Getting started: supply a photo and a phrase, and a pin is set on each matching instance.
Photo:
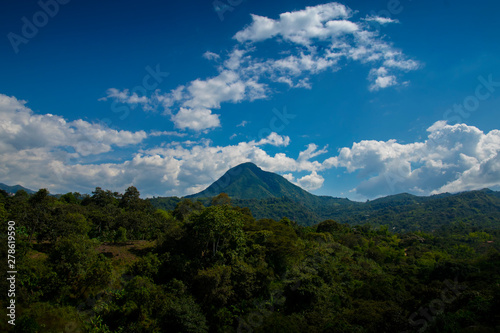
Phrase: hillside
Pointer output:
(405, 212)
(269, 195)
(14, 189)
(110, 263)
(248, 181)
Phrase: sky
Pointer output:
(351, 99)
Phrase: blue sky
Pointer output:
(351, 99)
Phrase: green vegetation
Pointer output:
(402, 213)
(111, 262)
(269, 195)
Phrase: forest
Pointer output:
(402, 212)
(112, 262)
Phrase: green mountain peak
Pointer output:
(248, 181)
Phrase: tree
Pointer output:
(70, 198)
(221, 199)
(65, 222)
(329, 226)
(3, 212)
(78, 264)
(213, 285)
(39, 217)
(186, 207)
(121, 235)
(218, 231)
(103, 198)
(131, 199)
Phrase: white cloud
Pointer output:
(453, 158)
(125, 96)
(242, 124)
(167, 133)
(274, 140)
(310, 152)
(289, 177)
(46, 151)
(196, 119)
(209, 93)
(317, 39)
(66, 154)
(383, 82)
(301, 26)
(34, 148)
(381, 20)
(381, 79)
(211, 55)
(311, 182)
(407, 65)
(21, 129)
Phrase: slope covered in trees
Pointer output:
(110, 262)
(248, 181)
(269, 195)
(403, 212)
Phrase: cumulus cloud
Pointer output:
(34, 147)
(311, 182)
(275, 140)
(301, 26)
(22, 129)
(311, 41)
(197, 119)
(452, 159)
(209, 93)
(47, 151)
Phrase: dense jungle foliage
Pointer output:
(402, 212)
(111, 262)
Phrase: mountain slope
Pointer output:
(269, 195)
(248, 181)
(14, 189)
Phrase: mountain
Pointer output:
(15, 188)
(269, 195)
(248, 181)
(266, 194)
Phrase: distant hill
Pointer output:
(406, 212)
(15, 188)
(269, 195)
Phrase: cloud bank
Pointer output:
(47, 151)
(452, 159)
